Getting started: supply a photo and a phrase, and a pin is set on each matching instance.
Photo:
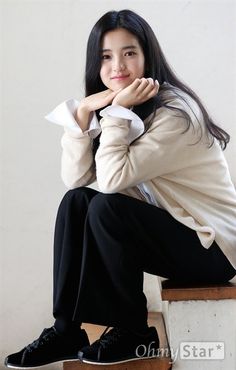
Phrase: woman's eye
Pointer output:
(105, 56)
(130, 53)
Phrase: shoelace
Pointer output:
(43, 338)
(109, 338)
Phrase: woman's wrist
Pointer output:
(82, 117)
(117, 102)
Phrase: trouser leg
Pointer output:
(104, 242)
(123, 238)
(111, 287)
(68, 247)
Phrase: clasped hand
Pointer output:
(139, 91)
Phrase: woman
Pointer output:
(166, 204)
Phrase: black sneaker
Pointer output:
(50, 347)
(120, 345)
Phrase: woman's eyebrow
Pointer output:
(123, 48)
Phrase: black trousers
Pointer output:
(103, 244)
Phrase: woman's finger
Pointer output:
(135, 84)
(144, 83)
(151, 93)
(149, 87)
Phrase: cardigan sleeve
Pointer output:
(77, 162)
(165, 148)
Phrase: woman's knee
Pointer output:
(104, 205)
(79, 193)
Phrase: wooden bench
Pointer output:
(200, 313)
(172, 291)
(161, 363)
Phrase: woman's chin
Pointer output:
(117, 85)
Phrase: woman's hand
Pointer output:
(141, 90)
(98, 100)
(92, 103)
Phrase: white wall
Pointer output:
(43, 46)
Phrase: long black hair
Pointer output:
(156, 67)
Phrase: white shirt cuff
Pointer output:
(63, 115)
(136, 124)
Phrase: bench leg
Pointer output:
(202, 321)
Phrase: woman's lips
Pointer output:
(120, 78)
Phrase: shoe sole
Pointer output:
(85, 361)
(38, 366)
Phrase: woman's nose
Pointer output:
(118, 65)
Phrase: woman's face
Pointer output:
(122, 59)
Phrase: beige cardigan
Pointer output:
(188, 179)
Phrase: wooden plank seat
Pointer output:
(173, 291)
